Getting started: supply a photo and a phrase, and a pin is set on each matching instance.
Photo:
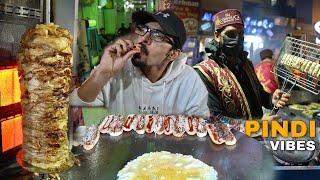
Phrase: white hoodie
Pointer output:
(179, 92)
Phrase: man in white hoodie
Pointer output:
(150, 79)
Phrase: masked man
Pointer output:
(234, 89)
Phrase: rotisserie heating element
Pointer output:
(16, 16)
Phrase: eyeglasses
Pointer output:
(155, 34)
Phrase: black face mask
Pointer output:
(232, 46)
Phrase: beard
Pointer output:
(137, 60)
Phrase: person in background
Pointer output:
(234, 89)
(130, 28)
(103, 33)
(263, 70)
(102, 38)
(146, 77)
(122, 30)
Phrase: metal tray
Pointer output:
(248, 159)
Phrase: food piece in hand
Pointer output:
(91, 138)
(158, 125)
(168, 125)
(179, 126)
(192, 125)
(130, 122)
(201, 129)
(150, 120)
(116, 126)
(140, 126)
(137, 47)
(104, 126)
(214, 135)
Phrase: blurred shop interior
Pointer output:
(267, 23)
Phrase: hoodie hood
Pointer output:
(173, 71)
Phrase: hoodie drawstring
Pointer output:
(141, 93)
(162, 100)
(122, 100)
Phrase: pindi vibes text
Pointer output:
(286, 129)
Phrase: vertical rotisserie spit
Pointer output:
(45, 68)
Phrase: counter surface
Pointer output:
(248, 159)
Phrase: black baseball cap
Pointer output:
(170, 23)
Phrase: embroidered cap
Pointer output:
(227, 17)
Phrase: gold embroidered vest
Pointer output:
(227, 88)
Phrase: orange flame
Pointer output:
(9, 87)
(11, 133)
(11, 129)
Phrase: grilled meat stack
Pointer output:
(45, 68)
